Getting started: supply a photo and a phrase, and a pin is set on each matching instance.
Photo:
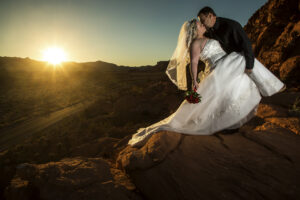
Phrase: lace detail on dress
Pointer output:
(210, 55)
(235, 106)
(267, 86)
(212, 52)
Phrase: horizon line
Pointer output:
(78, 62)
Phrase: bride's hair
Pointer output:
(191, 32)
(176, 69)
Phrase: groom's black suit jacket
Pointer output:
(232, 37)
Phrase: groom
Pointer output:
(229, 33)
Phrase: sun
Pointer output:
(54, 55)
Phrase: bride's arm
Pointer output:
(194, 56)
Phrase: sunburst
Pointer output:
(54, 55)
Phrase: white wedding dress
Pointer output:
(230, 97)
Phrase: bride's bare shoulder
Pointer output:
(198, 44)
(195, 44)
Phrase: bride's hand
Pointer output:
(195, 84)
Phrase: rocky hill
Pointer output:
(275, 33)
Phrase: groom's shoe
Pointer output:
(283, 88)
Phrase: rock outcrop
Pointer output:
(274, 31)
(260, 161)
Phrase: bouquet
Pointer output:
(192, 96)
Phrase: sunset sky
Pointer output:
(124, 32)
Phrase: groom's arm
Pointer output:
(244, 42)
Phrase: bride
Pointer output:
(230, 96)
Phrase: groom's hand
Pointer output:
(248, 71)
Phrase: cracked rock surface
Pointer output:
(259, 161)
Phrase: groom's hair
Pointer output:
(206, 10)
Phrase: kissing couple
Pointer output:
(231, 85)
